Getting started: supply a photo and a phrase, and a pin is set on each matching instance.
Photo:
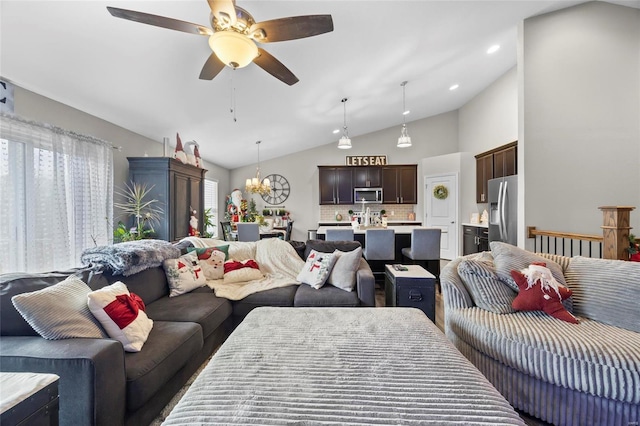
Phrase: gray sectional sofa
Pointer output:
(100, 383)
(565, 374)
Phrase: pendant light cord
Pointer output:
(404, 108)
(345, 131)
(232, 108)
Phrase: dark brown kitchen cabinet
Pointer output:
(336, 185)
(498, 162)
(400, 184)
(484, 172)
(177, 187)
(504, 162)
(367, 177)
(475, 239)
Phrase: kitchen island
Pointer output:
(403, 237)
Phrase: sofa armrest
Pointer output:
(365, 284)
(454, 292)
(92, 383)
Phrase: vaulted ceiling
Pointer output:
(145, 78)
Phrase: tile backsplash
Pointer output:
(400, 211)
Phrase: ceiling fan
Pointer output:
(235, 33)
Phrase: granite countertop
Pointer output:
(477, 225)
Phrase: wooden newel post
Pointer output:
(615, 231)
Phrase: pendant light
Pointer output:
(404, 140)
(344, 142)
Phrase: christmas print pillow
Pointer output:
(184, 274)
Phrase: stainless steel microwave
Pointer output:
(367, 195)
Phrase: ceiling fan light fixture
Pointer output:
(404, 141)
(233, 49)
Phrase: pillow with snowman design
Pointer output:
(184, 274)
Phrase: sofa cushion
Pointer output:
(200, 306)
(589, 357)
(486, 289)
(507, 258)
(60, 311)
(329, 246)
(328, 295)
(184, 274)
(211, 260)
(122, 315)
(282, 296)
(317, 268)
(150, 284)
(606, 291)
(11, 322)
(169, 347)
(343, 274)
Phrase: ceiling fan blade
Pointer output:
(211, 68)
(275, 67)
(160, 21)
(291, 28)
(224, 11)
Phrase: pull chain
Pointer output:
(232, 109)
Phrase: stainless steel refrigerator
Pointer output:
(503, 209)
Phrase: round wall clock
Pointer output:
(280, 190)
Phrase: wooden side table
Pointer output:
(414, 288)
(29, 399)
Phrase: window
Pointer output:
(211, 202)
(56, 195)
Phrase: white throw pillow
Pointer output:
(184, 274)
(122, 314)
(343, 274)
(60, 311)
(211, 261)
(236, 271)
(317, 268)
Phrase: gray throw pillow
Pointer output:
(606, 291)
(60, 311)
(507, 258)
(485, 288)
(343, 274)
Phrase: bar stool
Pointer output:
(379, 248)
(248, 232)
(425, 248)
(339, 234)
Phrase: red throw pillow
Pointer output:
(537, 299)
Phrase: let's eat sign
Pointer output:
(366, 160)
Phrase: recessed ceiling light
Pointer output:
(407, 112)
(493, 49)
(454, 87)
(336, 131)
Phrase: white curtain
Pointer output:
(56, 195)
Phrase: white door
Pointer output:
(442, 212)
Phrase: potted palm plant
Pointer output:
(140, 209)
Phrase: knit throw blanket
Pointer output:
(130, 257)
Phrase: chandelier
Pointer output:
(256, 185)
(404, 140)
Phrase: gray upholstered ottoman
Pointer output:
(340, 366)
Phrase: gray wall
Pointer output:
(487, 121)
(430, 137)
(45, 110)
(579, 78)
